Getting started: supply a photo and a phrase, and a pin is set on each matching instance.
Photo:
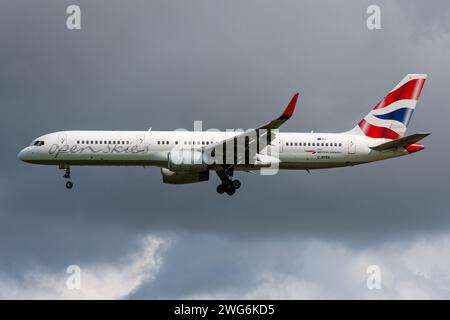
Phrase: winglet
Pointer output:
(289, 111)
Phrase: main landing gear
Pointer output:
(228, 185)
(69, 183)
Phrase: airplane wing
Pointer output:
(255, 139)
(402, 142)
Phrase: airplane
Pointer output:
(188, 156)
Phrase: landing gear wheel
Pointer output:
(228, 185)
(220, 188)
(230, 190)
(69, 185)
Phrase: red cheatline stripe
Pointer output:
(410, 90)
(377, 132)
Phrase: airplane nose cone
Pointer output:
(23, 154)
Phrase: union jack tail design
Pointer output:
(390, 117)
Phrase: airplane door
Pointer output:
(140, 142)
(351, 145)
(62, 139)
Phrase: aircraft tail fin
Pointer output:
(390, 117)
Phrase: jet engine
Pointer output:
(183, 177)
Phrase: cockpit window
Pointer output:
(38, 143)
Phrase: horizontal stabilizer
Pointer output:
(402, 142)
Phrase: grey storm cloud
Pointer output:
(231, 64)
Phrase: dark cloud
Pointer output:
(231, 64)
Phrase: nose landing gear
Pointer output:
(69, 183)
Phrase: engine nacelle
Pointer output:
(183, 177)
(186, 160)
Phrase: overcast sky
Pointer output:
(233, 64)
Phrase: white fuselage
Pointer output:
(151, 148)
(189, 156)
